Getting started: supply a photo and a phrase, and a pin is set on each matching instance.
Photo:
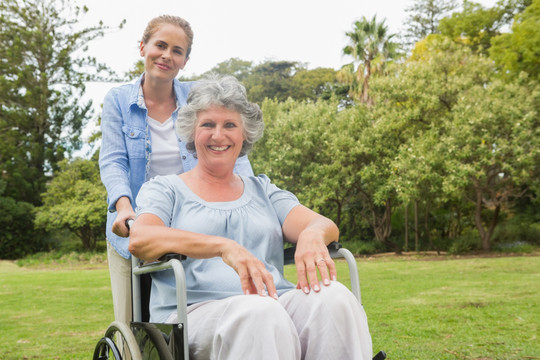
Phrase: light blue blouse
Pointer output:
(254, 221)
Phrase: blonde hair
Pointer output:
(156, 22)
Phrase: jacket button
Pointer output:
(184, 157)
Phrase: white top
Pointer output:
(165, 154)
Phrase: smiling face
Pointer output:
(165, 52)
(219, 137)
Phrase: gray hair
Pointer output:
(223, 91)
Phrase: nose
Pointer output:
(218, 132)
(166, 54)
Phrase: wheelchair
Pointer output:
(144, 340)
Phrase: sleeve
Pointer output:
(157, 197)
(113, 159)
(283, 201)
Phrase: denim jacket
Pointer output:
(126, 147)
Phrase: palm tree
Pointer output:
(371, 47)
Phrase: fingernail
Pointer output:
(275, 296)
(326, 282)
(316, 288)
(246, 292)
(334, 278)
(262, 292)
(306, 290)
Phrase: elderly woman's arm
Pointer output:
(150, 239)
(311, 232)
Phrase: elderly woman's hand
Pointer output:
(253, 274)
(312, 256)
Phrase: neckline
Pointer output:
(232, 204)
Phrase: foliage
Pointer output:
(520, 50)
(75, 200)
(424, 17)
(447, 131)
(16, 228)
(476, 25)
(310, 149)
(371, 47)
(42, 81)
(280, 80)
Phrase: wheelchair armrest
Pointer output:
(288, 253)
(162, 259)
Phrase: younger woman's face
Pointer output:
(165, 52)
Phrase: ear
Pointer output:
(141, 48)
(184, 64)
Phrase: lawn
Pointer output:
(446, 308)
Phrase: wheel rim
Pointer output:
(118, 343)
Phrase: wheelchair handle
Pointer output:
(129, 223)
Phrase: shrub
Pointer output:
(17, 234)
(468, 242)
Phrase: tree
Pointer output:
(309, 149)
(74, 200)
(236, 67)
(42, 81)
(494, 142)
(17, 228)
(476, 25)
(457, 133)
(520, 50)
(371, 47)
(424, 17)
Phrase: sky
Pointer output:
(307, 31)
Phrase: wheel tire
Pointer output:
(118, 343)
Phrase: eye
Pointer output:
(207, 124)
(230, 125)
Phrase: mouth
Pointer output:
(163, 66)
(219, 148)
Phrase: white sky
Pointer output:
(308, 31)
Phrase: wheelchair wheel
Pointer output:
(118, 344)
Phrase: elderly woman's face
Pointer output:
(219, 136)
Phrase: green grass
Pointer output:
(455, 308)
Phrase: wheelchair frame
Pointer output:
(120, 340)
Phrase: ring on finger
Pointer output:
(319, 260)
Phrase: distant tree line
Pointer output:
(426, 140)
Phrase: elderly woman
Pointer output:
(232, 229)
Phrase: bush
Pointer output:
(468, 242)
(358, 247)
(518, 229)
(515, 247)
(17, 235)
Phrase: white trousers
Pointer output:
(120, 272)
(330, 324)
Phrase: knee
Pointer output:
(254, 308)
(336, 295)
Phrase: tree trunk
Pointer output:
(485, 234)
(406, 227)
(416, 225)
